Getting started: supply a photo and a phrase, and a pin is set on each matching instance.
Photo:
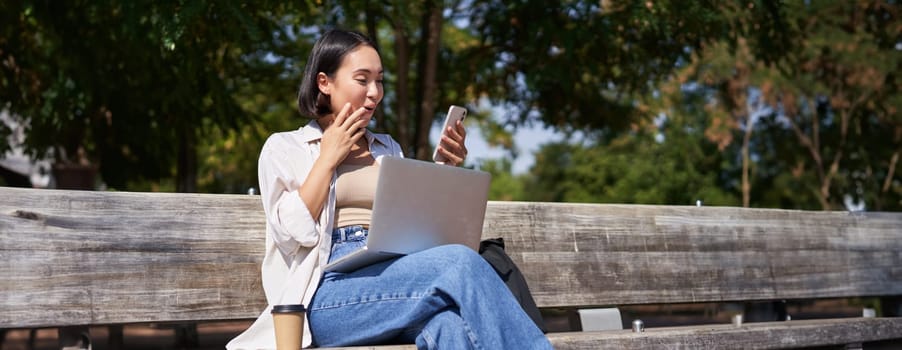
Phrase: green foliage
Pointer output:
(505, 186)
(575, 65)
(673, 164)
(668, 96)
(130, 85)
(833, 127)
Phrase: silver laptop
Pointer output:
(420, 205)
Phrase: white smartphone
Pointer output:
(455, 113)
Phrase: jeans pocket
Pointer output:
(344, 248)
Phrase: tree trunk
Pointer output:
(402, 55)
(432, 29)
(834, 165)
(373, 13)
(888, 180)
(74, 176)
(186, 170)
(812, 144)
(746, 184)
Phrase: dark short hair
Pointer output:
(326, 57)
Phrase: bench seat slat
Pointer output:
(764, 335)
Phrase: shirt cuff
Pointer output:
(296, 221)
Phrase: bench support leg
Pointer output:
(116, 338)
(891, 306)
(765, 311)
(186, 336)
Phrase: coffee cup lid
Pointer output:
(276, 309)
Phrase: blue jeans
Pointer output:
(446, 297)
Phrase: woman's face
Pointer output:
(358, 80)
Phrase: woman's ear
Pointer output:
(323, 83)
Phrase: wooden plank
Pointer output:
(71, 257)
(582, 254)
(114, 257)
(765, 335)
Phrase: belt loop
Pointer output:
(349, 233)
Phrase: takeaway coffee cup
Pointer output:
(289, 324)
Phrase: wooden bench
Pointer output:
(113, 258)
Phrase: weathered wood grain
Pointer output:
(73, 257)
(765, 335)
(580, 254)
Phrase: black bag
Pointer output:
(492, 250)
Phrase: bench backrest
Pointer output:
(79, 257)
(582, 254)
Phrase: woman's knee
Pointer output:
(456, 257)
(457, 253)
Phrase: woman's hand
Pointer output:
(338, 137)
(452, 145)
(344, 131)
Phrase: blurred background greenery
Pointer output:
(782, 104)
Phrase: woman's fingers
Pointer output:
(453, 144)
(354, 122)
(456, 133)
(454, 138)
(452, 158)
(342, 114)
(358, 133)
(459, 126)
(354, 126)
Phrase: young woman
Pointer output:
(318, 184)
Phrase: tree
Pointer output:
(128, 86)
(835, 90)
(577, 65)
(522, 54)
(668, 161)
(152, 91)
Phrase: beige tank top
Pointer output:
(355, 189)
